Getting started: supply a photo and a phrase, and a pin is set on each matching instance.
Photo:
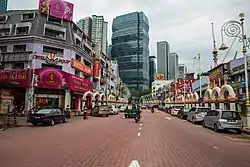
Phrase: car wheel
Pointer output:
(34, 124)
(65, 120)
(193, 121)
(216, 128)
(239, 131)
(52, 122)
(107, 115)
(203, 124)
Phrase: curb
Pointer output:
(246, 131)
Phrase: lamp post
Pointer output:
(198, 58)
(235, 29)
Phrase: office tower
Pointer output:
(173, 66)
(152, 70)
(130, 41)
(109, 51)
(163, 50)
(86, 25)
(182, 70)
(99, 32)
(3, 5)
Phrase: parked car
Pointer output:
(122, 108)
(130, 111)
(168, 110)
(102, 110)
(183, 113)
(223, 120)
(175, 110)
(113, 110)
(196, 114)
(144, 107)
(47, 116)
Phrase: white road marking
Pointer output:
(215, 147)
(140, 128)
(134, 163)
(139, 134)
(168, 118)
(140, 124)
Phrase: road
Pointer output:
(158, 141)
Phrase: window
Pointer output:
(77, 73)
(28, 16)
(4, 32)
(78, 42)
(19, 48)
(3, 19)
(17, 66)
(3, 49)
(51, 66)
(230, 115)
(54, 20)
(87, 63)
(22, 30)
(78, 57)
(57, 51)
(54, 34)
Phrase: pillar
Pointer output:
(29, 99)
(67, 98)
(213, 106)
(221, 106)
(232, 106)
(206, 104)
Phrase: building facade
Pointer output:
(130, 48)
(3, 5)
(86, 25)
(173, 66)
(152, 70)
(46, 61)
(182, 70)
(163, 50)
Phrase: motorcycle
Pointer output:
(137, 118)
(152, 110)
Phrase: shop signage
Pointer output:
(238, 65)
(15, 77)
(79, 84)
(57, 8)
(217, 72)
(80, 66)
(51, 59)
(97, 68)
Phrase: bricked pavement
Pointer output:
(114, 142)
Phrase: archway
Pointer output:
(195, 96)
(215, 93)
(97, 96)
(87, 98)
(227, 91)
(208, 94)
(102, 98)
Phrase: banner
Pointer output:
(97, 68)
(20, 78)
(57, 8)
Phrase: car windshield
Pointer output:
(44, 111)
(230, 115)
(203, 109)
(123, 107)
(130, 107)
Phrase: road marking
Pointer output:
(168, 118)
(140, 124)
(215, 147)
(139, 134)
(134, 163)
(140, 128)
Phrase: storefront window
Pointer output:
(47, 102)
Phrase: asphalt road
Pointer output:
(158, 141)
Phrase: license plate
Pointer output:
(231, 121)
(37, 117)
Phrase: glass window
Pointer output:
(44, 111)
(230, 115)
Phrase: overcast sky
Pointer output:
(185, 24)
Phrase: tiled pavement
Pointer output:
(158, 141)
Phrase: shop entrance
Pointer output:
(47, 102)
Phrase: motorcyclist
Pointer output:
(138, 111)
(152, 109)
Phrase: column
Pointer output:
(232, 106)
(206, 104)
(213, 106)
(221, 106)
(67, 98)
(29, 99)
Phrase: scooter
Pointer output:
(137, 118)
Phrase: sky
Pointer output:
(185, 24)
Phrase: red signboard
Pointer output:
(21, 78)
(97, 68)
(80, 66)
(79, 84)
(57, 8)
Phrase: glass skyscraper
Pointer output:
(130, 41)
(3, 5)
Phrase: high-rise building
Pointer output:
(99, 32)
(182, 70)
(130, 41)
(3, 5)
(86, 25)
(173, 66)
(163, 50)
(109, 51)
(152, 70)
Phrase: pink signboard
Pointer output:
(57, 8)
(19, 78)
(56, 79)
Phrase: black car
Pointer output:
(47, 116)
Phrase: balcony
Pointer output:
(15, 56)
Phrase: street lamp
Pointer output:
(198, 58)
(235, 29)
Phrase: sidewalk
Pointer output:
(246, 131)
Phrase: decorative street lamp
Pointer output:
(235, 29)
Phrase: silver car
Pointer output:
(196, 114)
(223, 120)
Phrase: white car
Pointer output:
(114, 110)
(175, 110)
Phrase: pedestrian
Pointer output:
(67, 112)
(85, 112)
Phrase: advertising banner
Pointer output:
(56, 79)
(21, 78)
(97, 68)
(80, 66)
(57, 8)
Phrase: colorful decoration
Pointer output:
(159, 76)
(52, 59)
